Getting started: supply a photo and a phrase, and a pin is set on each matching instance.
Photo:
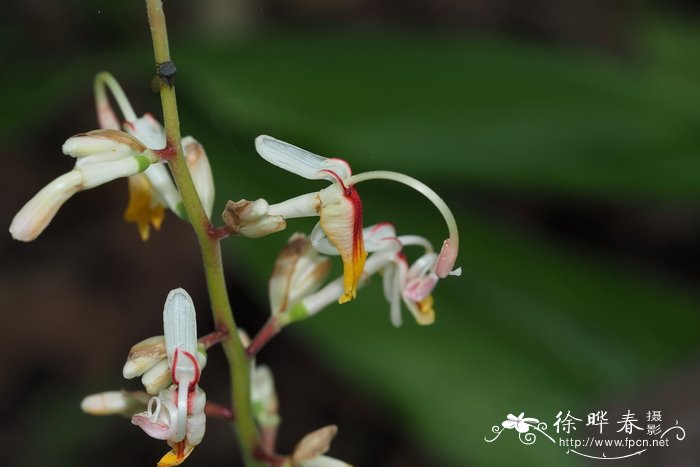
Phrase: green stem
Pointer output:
(211, 250)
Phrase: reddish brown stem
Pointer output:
(267, 332)
(212, 409)
(213, 338)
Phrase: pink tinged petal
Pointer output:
(36, 215)
(154, 428)
(106, 117)
(148, 130)
(196, 419)
(156, 421)
(419, 288)
(299, 161)
(380, 236)
(446, 260)
(341, 219)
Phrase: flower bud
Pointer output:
(314, 444)
(299, 271)
(200, 169)
(115, 403)
(157, 378)
(264, 397)
(144, 356)
(103, 145)
(250, 218)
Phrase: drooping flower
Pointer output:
(101, 156)
(176, 415)
(338, 206)
(152, 191)
(411, 285)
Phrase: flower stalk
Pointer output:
(209, 244)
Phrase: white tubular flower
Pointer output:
(177, 413)
(101, 156)
(125, 403)
(152, 191)
(340, 208)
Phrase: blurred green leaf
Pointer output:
(494, 114)
(528, 327)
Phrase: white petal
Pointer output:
(164, 187)
(84, 145)
(299, 161)
(36, 215)
(157, 378)
(179, 323)
(148, 130)
(422, 266)
(99, 174)
(306, 205)
(380, 236)
(320, 241)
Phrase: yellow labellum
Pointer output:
(177, 455)
(426, 313)
(143, 208)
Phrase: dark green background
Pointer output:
(564, 138)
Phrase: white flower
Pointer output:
(177, 413)
(152, 191)
(101, 156)
(339, 208)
